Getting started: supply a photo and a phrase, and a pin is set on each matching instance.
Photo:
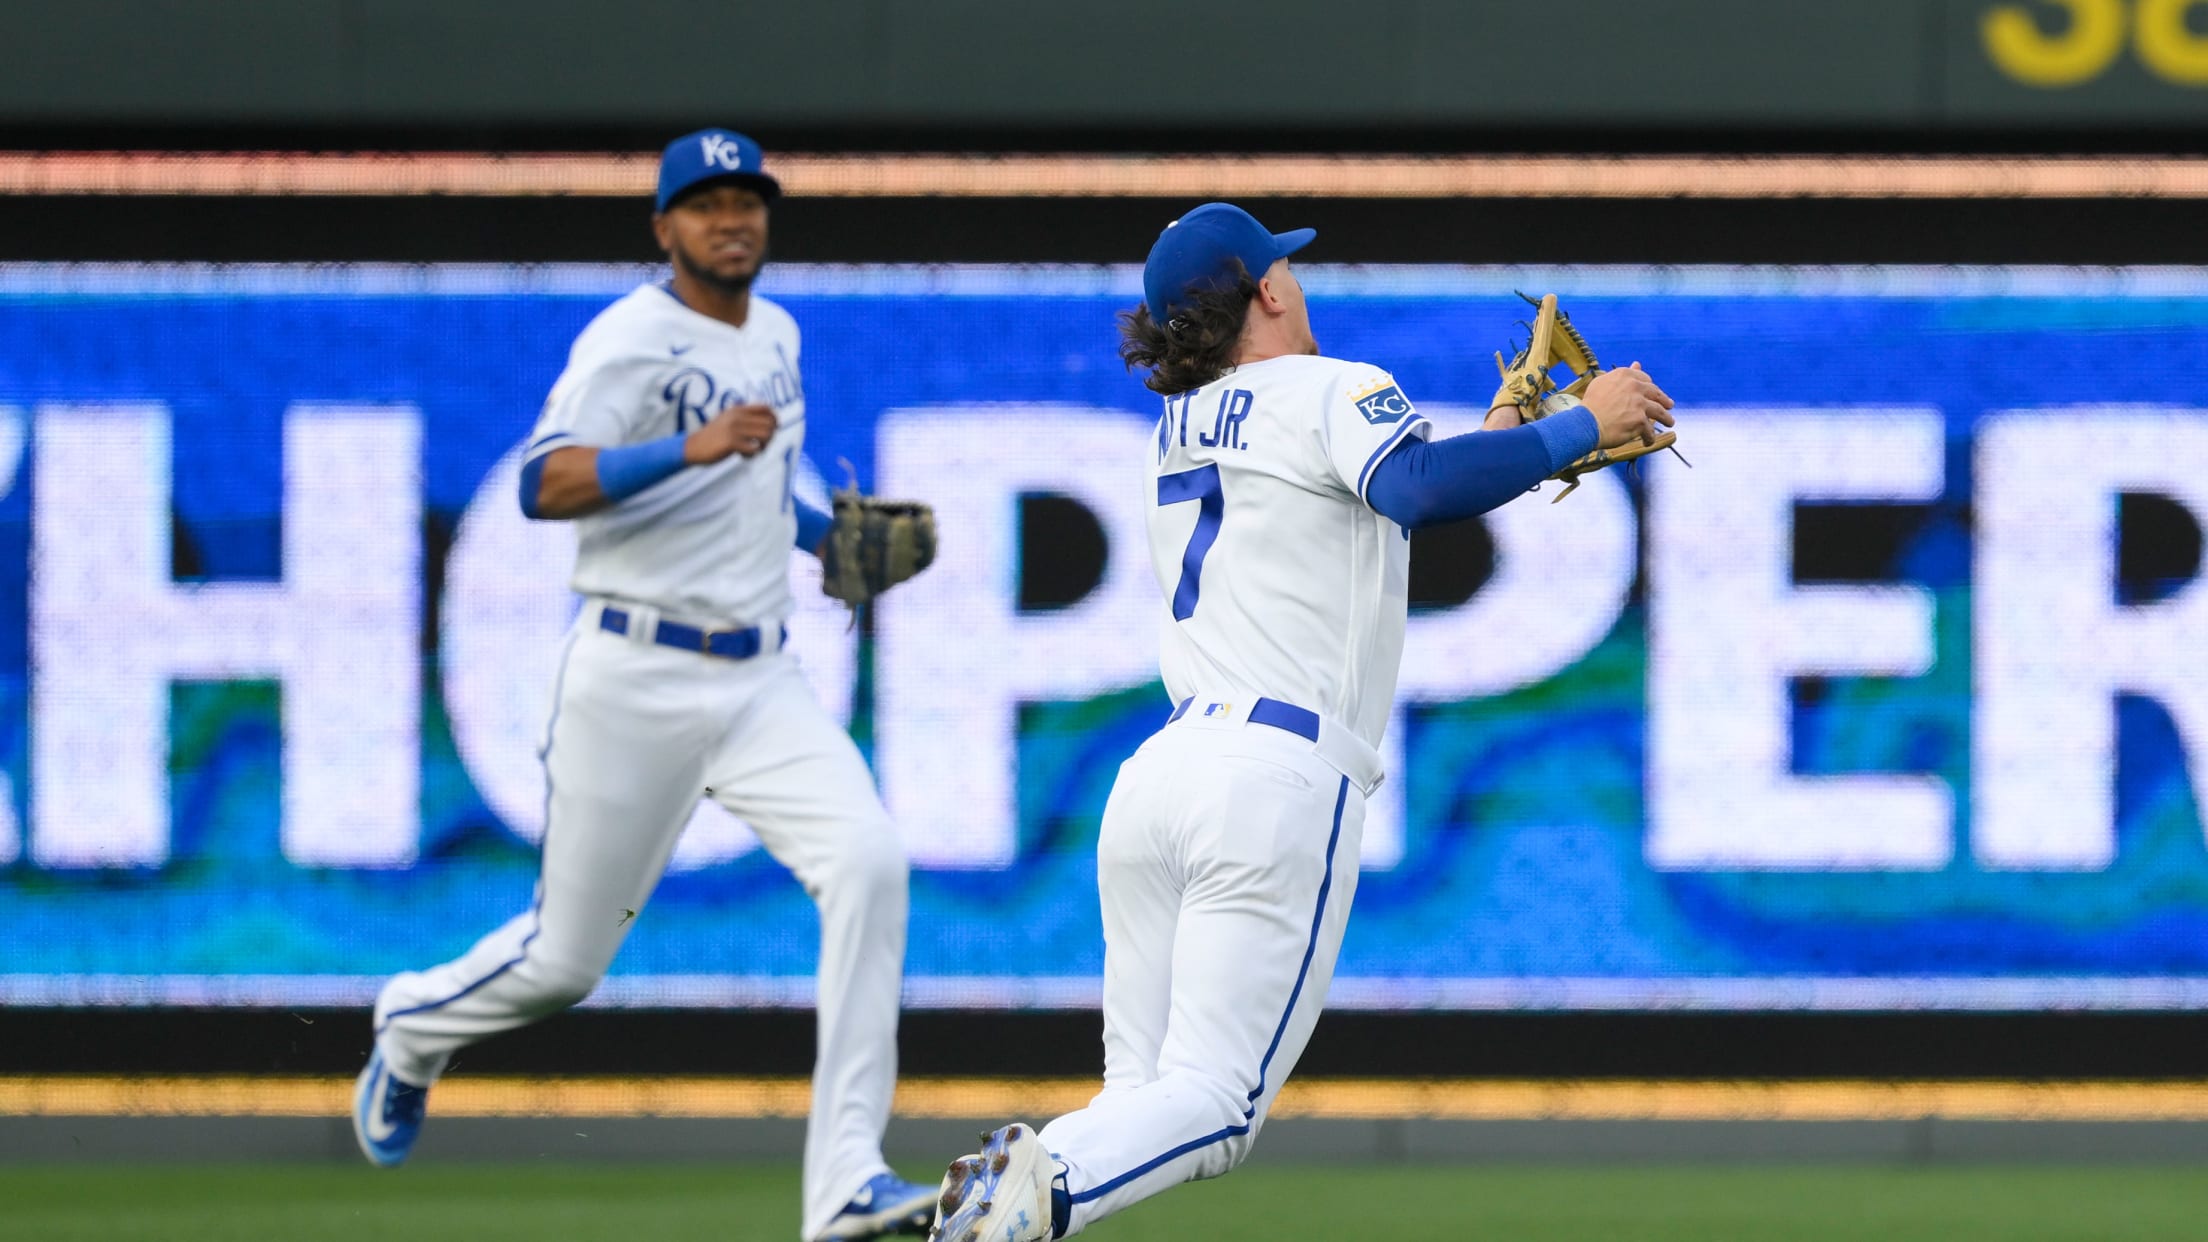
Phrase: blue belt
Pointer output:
(727, 644)
(1287, 716)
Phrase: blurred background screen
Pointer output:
(1886, 702)
(1883, 703)
(1826, 796)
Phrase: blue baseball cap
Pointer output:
(712, 155)
(1198, 251)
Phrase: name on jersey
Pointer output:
(694, 395)
(1226, 419)
(1382, 402)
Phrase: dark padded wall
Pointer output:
(855, 65)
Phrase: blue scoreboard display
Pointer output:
(275, 641)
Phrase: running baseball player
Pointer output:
(669, 441)
(1284, 487)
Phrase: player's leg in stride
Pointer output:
(790, 772)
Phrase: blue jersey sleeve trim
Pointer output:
(547, 442)
(623, 472)
(812, 526)
(1464, 476)
(1410, 427)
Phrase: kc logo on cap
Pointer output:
(721, 152)
(710, 154)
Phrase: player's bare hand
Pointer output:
(739, 430)
(1627, 406)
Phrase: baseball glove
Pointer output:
(873, 545)
(1529, 382)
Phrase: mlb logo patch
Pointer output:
(1219, 709)
(1382, 405)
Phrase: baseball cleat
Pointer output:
(387, 1113)
(887, 1204)
(1000, 1194)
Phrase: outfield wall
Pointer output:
(1950, 66)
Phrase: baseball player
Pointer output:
(1283, 487)
(669, 441)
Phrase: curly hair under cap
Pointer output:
(1195, 346)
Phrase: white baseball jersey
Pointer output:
(710, 543)
(1279, 579)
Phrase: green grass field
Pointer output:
(537, 1203)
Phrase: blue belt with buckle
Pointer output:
(727, 644)
(1286, 716)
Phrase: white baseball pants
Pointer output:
(1226, 865)
(638, 733)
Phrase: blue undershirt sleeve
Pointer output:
(623, 472)
(1569, 436)
(812, 526)
(1428, 483)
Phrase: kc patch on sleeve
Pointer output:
(1382, 405)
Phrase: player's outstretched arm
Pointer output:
(1428, 484)
(574, 481)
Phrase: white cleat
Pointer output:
(1001, 1194)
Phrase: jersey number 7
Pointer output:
(1200, 485)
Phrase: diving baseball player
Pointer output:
(669, 441)
(1284, 485)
